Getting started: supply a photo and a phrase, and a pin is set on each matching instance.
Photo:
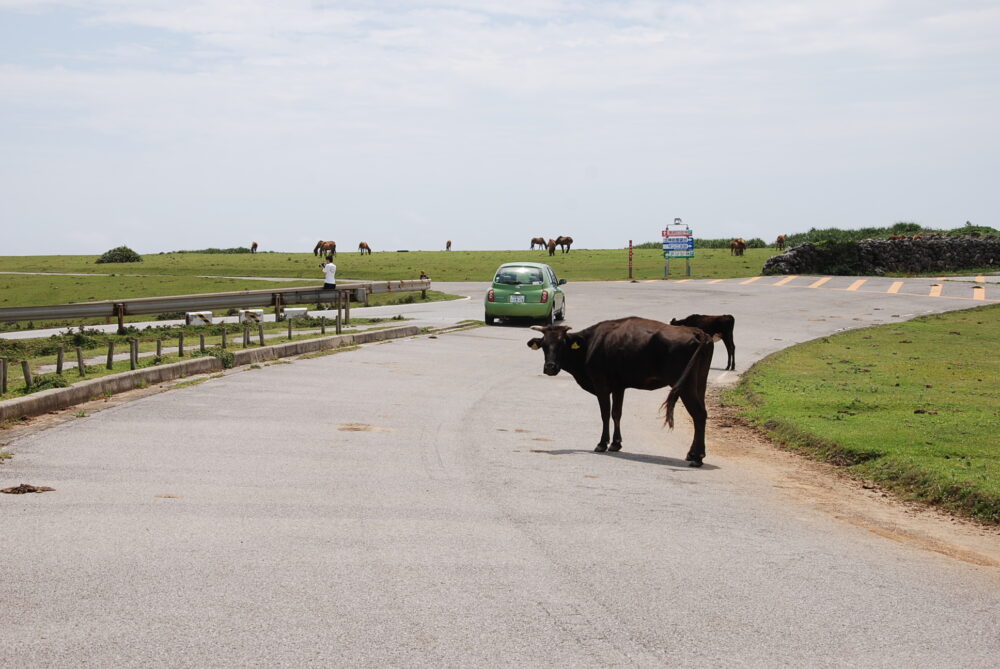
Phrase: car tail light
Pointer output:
(490, 297)
(545, 296)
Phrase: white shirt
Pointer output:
(330, 272)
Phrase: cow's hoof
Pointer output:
(616, 446)
(601, 448)
(695, 463)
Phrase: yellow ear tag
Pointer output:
(575, 345)
(533, 345)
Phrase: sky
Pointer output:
(181, 124)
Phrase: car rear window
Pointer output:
(513, 276)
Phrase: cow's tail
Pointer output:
(675, 391)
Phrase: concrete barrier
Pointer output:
(54, 399)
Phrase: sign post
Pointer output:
(630, 260)
(678, 242)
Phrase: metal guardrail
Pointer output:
(244, 299)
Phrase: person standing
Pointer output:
(329, 273)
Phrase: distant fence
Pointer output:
(205, 302)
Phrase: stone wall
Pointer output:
(932, 253)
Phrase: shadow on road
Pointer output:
(635, 457)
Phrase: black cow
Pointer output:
(720, 327)
(633, 352)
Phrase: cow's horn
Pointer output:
(538, 327)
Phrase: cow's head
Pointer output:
(558, 344)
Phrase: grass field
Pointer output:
(914, 406)
(578, 265)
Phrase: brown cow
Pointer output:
(551, 246)
(253, 247)
(538, 241)
(325, 248)
(447, 245)
(779, 243)
(564, 243)
(633, 352)
(364, 248)
(737, 246)
(718, 327)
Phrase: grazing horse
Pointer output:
(779, 243)
(447, 245)
(325, 248)
(538, 241)
(253, 247)
(737, 247)
(551, 246)
(564, 243)
(364, 248)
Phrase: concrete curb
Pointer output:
(84, 391)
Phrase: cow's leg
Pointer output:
(617, 398)
(731, 351)
(604, 401)
(695, 404)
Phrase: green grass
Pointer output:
(578, 265)
(913, 406)
(41, 351)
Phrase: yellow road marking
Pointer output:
(978, 293)
(786, 280)
(716, 281)
(817, 284)
(743, 283)
(935, 290)
(682, 281)
(894, 288)
(857, 284)
(980, 279)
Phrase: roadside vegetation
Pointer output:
(41, 353)
(912, 406)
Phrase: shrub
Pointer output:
(120, 254)
(44, 382)
(224, 356)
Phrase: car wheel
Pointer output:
(488, 319)
(551, 318)
(562, 313)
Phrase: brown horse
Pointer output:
(325, 248)
(737, 247)
(363, 248)
(551, 246)
(447, 245)
(779, 243)
(538, 241)
(564, 243)
(253, 247)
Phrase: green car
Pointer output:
(525, 290)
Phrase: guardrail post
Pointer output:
(347, 308)
(246, 336)
(180, 344)
(201, 342)
(59, 360)
(3, 376)
(79, 362)
(133, 353)
(110, 364)
(26, 371)
(322, 325)
(260, 333)
(159, 347)
(120, 313)
(289, 329)
(279, 307)
(224, 331)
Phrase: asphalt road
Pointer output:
(435, 502)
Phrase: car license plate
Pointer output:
(517, 299)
